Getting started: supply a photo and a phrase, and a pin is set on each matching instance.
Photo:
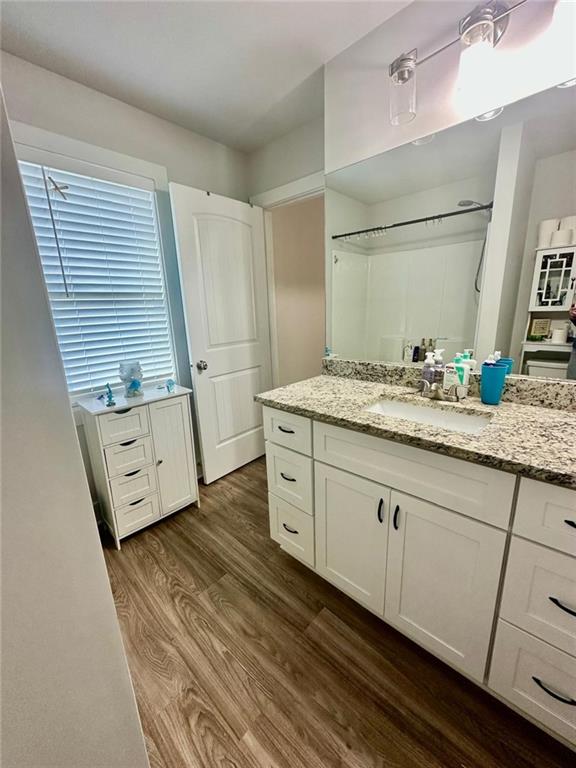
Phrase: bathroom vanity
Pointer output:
(464, 540)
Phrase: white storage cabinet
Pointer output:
(142, 457)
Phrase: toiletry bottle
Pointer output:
(462, 370)
(468, 357)
(438, 367)
(415, 353)
(450, 377)
(431, 345)
(422, 351)
(429, 368)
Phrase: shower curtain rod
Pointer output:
(437, 217)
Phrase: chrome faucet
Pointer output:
(435, 392)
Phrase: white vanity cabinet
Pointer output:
(420, 539)
(534, 659)
(442, 580)
(142, 457)
(352, 534)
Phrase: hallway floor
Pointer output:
(243, 658)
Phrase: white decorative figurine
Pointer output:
(131, 377)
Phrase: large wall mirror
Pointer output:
(443, 240)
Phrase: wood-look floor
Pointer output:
(243, 658)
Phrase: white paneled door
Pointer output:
(222, 264)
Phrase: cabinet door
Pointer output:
(554, 278)
(351, 534)
(442, 580)
(172, 436)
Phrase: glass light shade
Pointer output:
(403, 90)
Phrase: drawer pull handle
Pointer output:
(133, 503)
(287, 431)
(131, 474)
(128, 442)
(287, 477)
(290, 530)
(570, 702)
(122, 411)
(571, 523)
(380, 514)
(562, 607)
(395, 520)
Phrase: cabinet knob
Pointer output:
(159, 462)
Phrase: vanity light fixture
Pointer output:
(478, 32)
(568, 83)
(402, 73)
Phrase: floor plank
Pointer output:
(242, 657)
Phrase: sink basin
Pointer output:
(435, 417)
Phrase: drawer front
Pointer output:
(123, 425)
(547, 514)
(536, 677)
(288, 429)
(290, 476)
(292, 528)
(540, 593)
(137, 515)
(129, 455)
(134, 486)
(479, 492)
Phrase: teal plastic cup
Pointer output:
(492, 383)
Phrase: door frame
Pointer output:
(307, 187)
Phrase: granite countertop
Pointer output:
(532, 441)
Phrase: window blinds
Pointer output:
(104, 275)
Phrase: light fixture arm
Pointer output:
(499, 19)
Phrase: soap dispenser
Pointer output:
(429, 369)
(438, 366)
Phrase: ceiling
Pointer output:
(239, 72)
(461, 152)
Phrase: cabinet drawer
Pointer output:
(133, 486)
(137, 514)
(547, 514)
(292, 529)
(536, 677)
(288, 429)
(123, 425)
(290, 476)
(540, 593)
(129, 455)
(479, 492)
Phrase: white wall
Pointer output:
(287, 158)
(553, 196)
(536, 53)
(43, 99)
(67, 698)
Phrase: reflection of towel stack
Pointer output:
(557, 233)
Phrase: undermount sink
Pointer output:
(435, 417)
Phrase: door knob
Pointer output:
(201, 365)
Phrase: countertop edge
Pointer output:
(511, 466)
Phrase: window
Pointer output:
(100, 252)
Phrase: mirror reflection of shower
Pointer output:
(488, 214)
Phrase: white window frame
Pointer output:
(35, 145)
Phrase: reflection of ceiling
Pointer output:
(466, 150)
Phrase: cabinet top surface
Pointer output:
(96, 407)
(536, 442)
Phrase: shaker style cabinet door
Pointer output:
(442, 580)
(351, 517)
(172, 436)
